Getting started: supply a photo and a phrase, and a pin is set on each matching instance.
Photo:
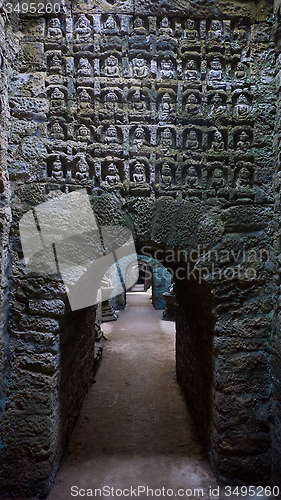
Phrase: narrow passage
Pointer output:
(134, 429)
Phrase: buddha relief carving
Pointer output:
(110, 25)
(244, 184)
(111, 135)
(191, 180)
(55, 64)
(139, 175)
(217, 143)
(242, 109)
(112, 179)
(216, 73)
(166, 69)
(165, 109)
(83, 134)
(192, 106)
(166, 141)
(57, 95)
(138, 138)
(165, 28)
(190, 34)
(81, 167)
(192, 143)
(243, 144)
(84, 67)
(140, 68)
(215, 33)
(111, 67)
(54, 31)
(138, 102)
(218, 109)
(57, 131)
(166, 175)
(57, 170)
(83, 29)
(191, 73)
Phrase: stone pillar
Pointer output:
(276, 334)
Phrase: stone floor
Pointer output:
(134, 429)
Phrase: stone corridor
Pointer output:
(167, 115)
(134, 429)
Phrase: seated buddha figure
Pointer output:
(54, 31)
(83, 133)
(191, 179)
(215, 73)
(111, 136)
(57, 171)
(165, 28)
(218, 109)
(57, 131)
(165, 109)
(84, 67)
(192, 107)
(83, 29)
(140, 69)
(112, 178)
(166, 175)
(82, 167)
(191, 72)
(242, 109)
(217, 144)
(111, 67)
(243, 143)
(139, 175)
(192, 141)
(166, 69)
(138, 103)
(166, 141)
(190, 34)
(139, 137)
(215, 33)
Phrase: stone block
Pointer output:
(29, 108)
(246, 218)
(32, 56)
(41, 363)
(55, 307)
(36, 323)
(28, 85)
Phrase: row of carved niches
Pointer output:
(190, 139)
(217, 70)
(137, 177)
(165, 106)
(150, 32)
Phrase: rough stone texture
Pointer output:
(276, 338)
(168, 123)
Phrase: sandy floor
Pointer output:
(134, 429)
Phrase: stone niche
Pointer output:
(167, 112)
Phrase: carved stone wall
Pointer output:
(145, 105)
(276, 339)
(166, 116)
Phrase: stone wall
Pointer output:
(276, 338)
(194, 352)
(166, 117)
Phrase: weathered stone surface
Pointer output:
(54, 307)
(164, 111)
